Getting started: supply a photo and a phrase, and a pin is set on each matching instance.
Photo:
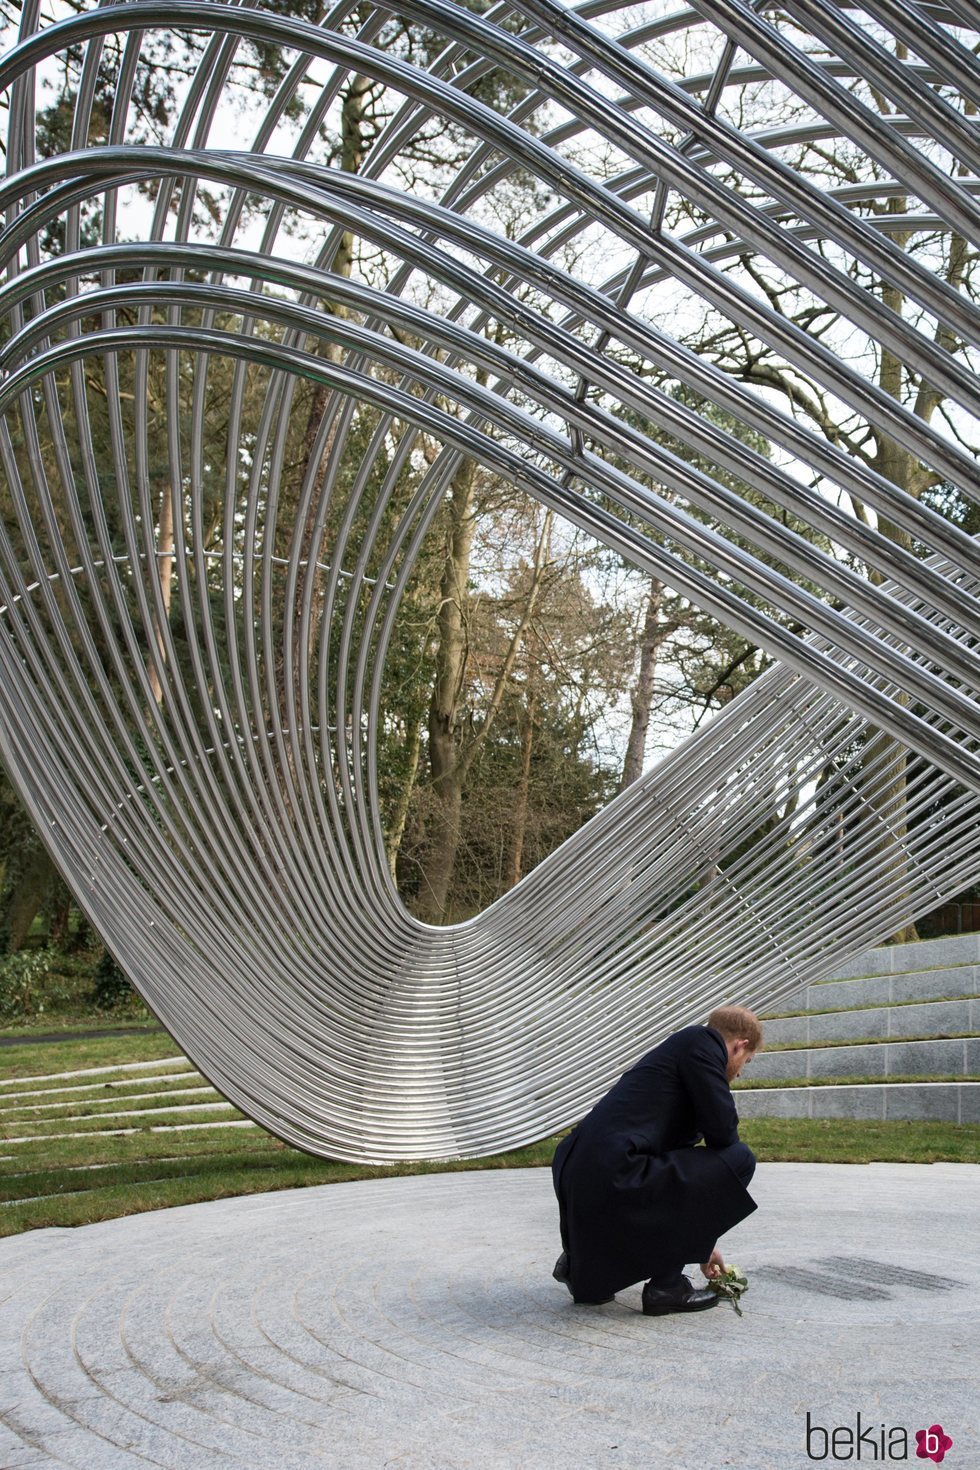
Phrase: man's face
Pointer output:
(739, 1056)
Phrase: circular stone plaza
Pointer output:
(414, 1323)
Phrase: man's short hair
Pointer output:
(736, 1021)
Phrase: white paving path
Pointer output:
(413, 1323)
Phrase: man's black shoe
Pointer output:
(686, 1297)
(561, 1273)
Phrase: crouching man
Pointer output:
(637, 1196)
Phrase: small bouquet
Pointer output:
(731, 1283)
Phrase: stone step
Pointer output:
(873, 990)
(872, 1007)
(948, 1102)
(954, 1055)
(925, 954)
(930, 1018)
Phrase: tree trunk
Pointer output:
(60, 906)
(25, 891)
(353, 148)
(515, 858)
(641, 697)
(888, 798)
(399, 816)
(450, 759)
(164, 571)
(447, 786)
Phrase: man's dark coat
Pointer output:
(635, 1195)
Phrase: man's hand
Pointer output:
(714, 1265)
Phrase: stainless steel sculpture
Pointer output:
(232, 854)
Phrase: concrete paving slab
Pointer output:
(413, 1323)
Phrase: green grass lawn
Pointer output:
(110, 1142)
(31, 1058)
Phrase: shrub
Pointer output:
(112, 989)
(22, 977)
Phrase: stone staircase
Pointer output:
(894, 1034)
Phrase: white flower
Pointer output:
(732, 1282)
